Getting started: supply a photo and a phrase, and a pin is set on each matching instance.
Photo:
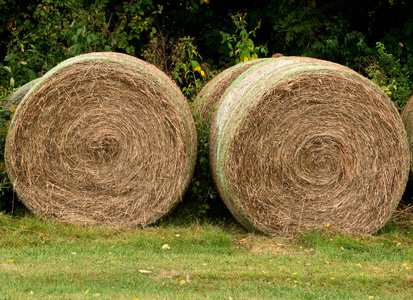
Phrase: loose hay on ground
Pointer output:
(102, 138)
(299, 143)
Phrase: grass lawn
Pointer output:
(42, 259)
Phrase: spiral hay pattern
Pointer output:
(102, 138)
(299, 143)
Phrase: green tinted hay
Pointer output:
(299, 143)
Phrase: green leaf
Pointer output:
(32, 73)
(91, 37)
(9, 57)
(195, 65)
(130, 50)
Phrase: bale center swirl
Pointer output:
(98, 142)
(313, 150)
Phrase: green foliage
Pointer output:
(339, 45)
(299, 26)
(239, 45)
(179, 59)
(202, 192)
(187, 70)
(5, 118)
(387, 72)
(53, 31)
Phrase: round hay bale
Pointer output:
(298, 143)
(206, 101)
(407, 117)
(18, 94)
(102, 138)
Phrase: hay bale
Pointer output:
(18, 94)
(407, 117)
(206, 101)
(299, 143)
(102, 138)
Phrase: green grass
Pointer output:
(41, 259)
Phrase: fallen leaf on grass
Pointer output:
(406, 265)
(166, 247)
(144, 271)
(182, 282)
(10, 260)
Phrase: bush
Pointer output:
(179, 59)
(53, 31)
(386, 71)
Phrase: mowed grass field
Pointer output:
(42, 259)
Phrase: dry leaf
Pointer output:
(166, 247)
(144, 271)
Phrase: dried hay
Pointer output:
(299, 143)
(102, 138)
(407, 117)
(211, 93)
